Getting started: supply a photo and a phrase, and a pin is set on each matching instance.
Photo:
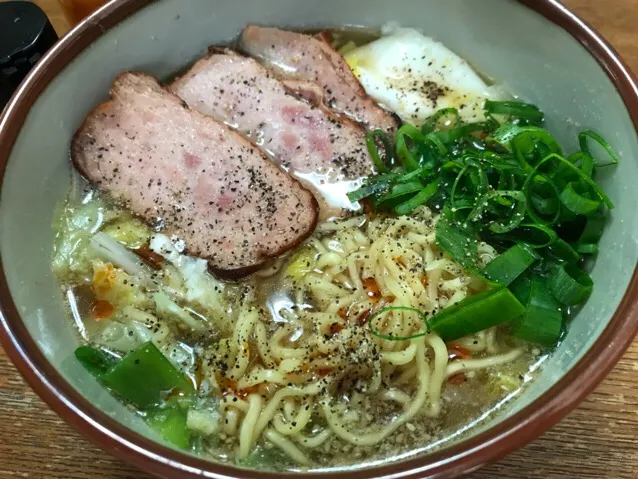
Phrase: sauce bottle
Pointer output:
(25, 34)
(76, 10)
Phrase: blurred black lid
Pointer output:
(25, 34)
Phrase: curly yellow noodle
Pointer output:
(261, 337)
(314, 441)
(296, 424)
(470, 364)
(231, 420)
(287, 447)
(439, 350)
(303, 361)
(395, 395)
(272, 406)
(247, 432)
(371, 438)
(233, 402)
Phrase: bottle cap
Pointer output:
(25, 34)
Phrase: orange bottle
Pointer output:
(76, 10)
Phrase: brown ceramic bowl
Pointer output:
(537, 48)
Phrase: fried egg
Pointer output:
(414, 76)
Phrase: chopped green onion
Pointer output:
(421, 172)
(432, 123)
(144, 376)
(534, 234)
(521, 287)
(524, 141)
(476, 313)
(170, 423)
(405, 156)
(458, 242)
(541, 209)
(562, 250)
(570, 284)
(510, 264)
(543, 318)
(510, 218)
(584, 146)
(402, 189)
(593, 230)
(514, 108)
(391, 337)
(534, 142)
(578, 203)
(508, 184)
(586, 164)
(454, 134)
(368, 190)
(478, 181)
(434, 139)
(424, 195)
(371, 144)
(95, 361)
(595, 189)
(505, 134)
(587, 248)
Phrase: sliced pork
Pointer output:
(207, 184)
(304, 57)
(324, 151)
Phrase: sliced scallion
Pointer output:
(514, 108)
(402, 189)
(365, 191)
(170, 423)
(96, 361)
(570, 285)
(534, 234)
(508, 216)
(476, 313)
(144, 376)
(371, 143)
(584, 146)
(593, 230)
(454, 134)
(587, 248)
(391, 337)
(594, 188)
(424, 195)
(576, 202)
(432, 124)
(542, 320)
(404, 153)
(563, 251)
(458, 241)
(510, 264)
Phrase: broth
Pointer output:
(281, 300)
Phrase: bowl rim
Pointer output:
(163, 461)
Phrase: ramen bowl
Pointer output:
(537, 49)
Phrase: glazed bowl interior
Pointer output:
(532, 57)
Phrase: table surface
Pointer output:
(599, 439)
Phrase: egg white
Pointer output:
(414, 76)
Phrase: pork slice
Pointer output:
(304, 57)
(306, 90)
(207, 184)
(324, 151)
